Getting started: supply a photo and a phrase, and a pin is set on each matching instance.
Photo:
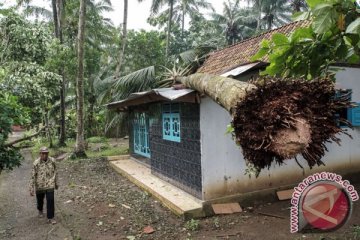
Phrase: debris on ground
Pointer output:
(226, 208)
(148, 230)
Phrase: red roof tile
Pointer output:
(223, 60)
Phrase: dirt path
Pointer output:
(18, 214)
(95, 203)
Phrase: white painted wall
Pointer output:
(349, 78)
(223, 165)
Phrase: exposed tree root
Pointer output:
(276, 119)
(287, 117)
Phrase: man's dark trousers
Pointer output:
(50, 206)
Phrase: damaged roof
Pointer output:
(226, 59)
(155, 95)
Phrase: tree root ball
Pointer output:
(283, 118)
(289, 142)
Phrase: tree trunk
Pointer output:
(225, 91)
(258, 4)
(11, 144)
(48, 130)
(270, 19)
(123, 40)
(80, 141)
(276, 119)
(91, 127)
(258, 27)
(62, 137)
(55, 18)
(57, 8)
(296, 4)
(169, 27)
(183, 20)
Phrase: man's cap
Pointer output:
(44, 150)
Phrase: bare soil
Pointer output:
(94, 202)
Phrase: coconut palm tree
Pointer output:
(276, 13)
(185, 8)
(58, 16)
(191, 8)
(123, 40)
(299, 5)
(271, 13)
(80, 140)
(34, 10)
(237, 23)
(155, 8)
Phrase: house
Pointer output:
(180, 134)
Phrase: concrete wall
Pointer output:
(223, 165)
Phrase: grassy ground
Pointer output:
(96, 147)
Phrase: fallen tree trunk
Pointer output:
(10, 144)
(277, 119)
(225, 91)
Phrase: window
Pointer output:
(171, 122)
(350, 114)
(342, 112)
(353, 115)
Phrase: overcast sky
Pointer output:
(138, 12)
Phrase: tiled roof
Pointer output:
(223, 60)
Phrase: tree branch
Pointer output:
(10, 144)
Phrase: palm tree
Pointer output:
(299, 5)
(58, 15)
(192, 7)
(155, 8)
(80, 141)
(33, 10)
(177, 12)
(237, 23)
(257, 6)
(123, 39)
(276, 13)
(271, 13)
(171, 5)
(183, 8)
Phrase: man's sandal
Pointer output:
(52, 221)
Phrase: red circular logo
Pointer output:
(326, 206)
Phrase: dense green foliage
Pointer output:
(25, 48)
(12, 113)
(332, 37)
(144, 48)
(36, 61)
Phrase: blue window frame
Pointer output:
(171, 122)
(353, 115)
(350, 114)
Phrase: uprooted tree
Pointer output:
(277, 119)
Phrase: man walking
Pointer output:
(43, 182)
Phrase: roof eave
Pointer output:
(151, 97)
